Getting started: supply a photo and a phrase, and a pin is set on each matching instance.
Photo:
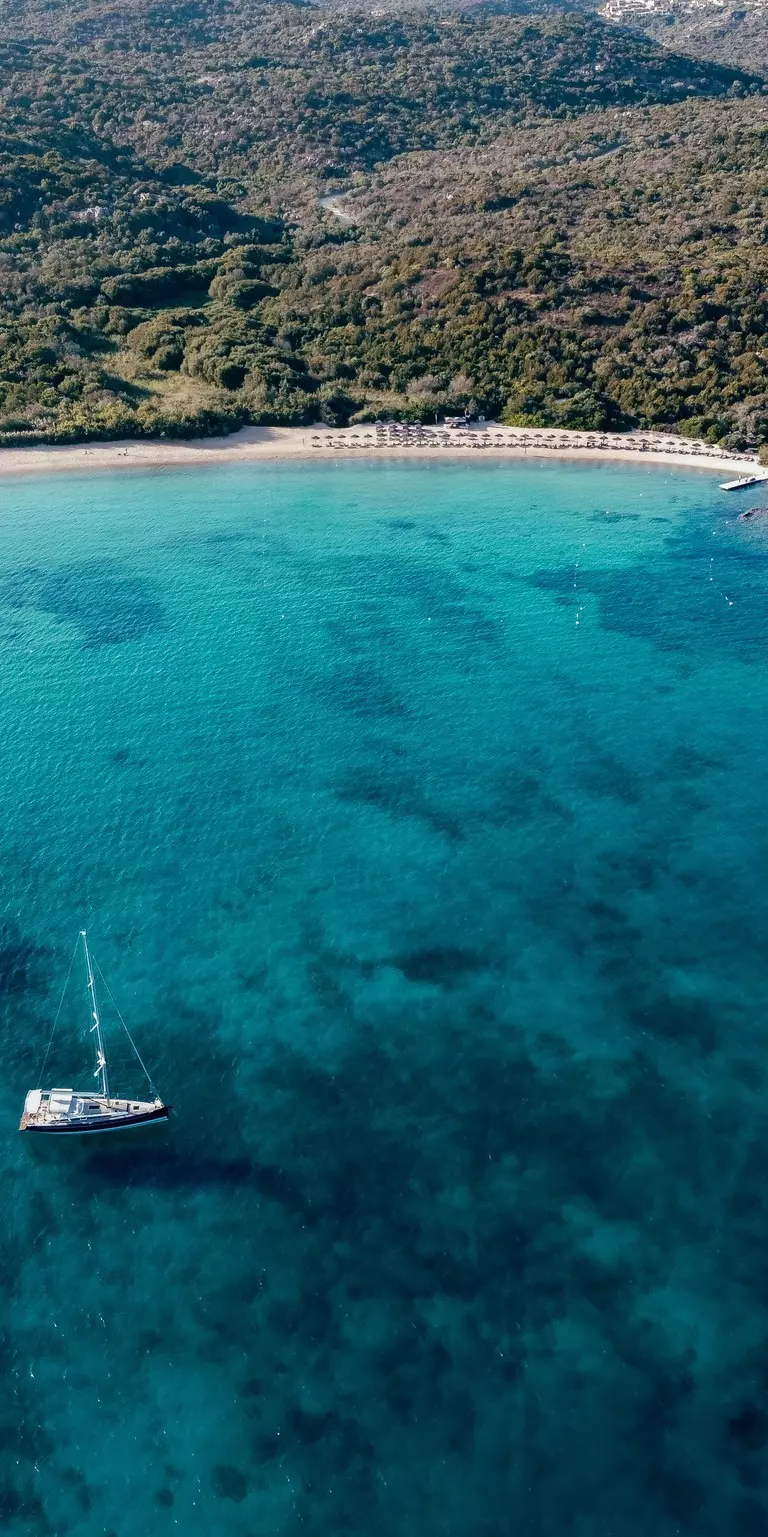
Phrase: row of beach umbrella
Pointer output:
(406, 434)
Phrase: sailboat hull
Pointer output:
(66, 1113)
(95, 1125)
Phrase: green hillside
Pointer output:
(550, 216)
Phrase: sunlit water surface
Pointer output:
(418, 817)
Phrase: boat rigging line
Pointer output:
(91, 965)
(111, 997)
(58, 1012)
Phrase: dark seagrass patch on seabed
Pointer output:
(229, 1482)
(24, 964)
(440, 965)
(361, 691)
(25, 974)
(399, 795)
(717, 602)
(105, 603)
(522, 1265)
(601, 773)
(520, 793)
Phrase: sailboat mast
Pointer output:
(101, 1061)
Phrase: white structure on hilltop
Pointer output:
(617, 10)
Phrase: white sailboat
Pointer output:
(62, 1112)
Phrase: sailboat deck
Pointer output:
(55, 1110)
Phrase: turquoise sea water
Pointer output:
(417, 815)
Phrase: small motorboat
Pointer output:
(65, 1112)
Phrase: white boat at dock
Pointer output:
(743, 483)
(67, 1112)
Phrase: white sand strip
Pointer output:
(476, 442)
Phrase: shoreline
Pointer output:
(253, 444)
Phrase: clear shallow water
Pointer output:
(418, 818)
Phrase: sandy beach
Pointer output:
(391, 441)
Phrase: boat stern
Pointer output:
(32, 1107)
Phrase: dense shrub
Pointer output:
(553, 218)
